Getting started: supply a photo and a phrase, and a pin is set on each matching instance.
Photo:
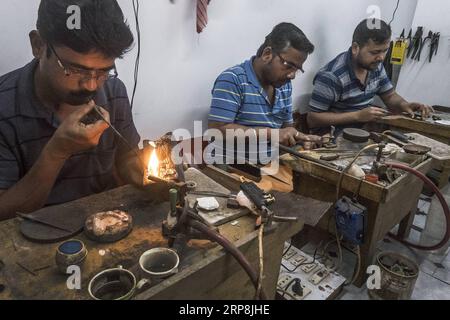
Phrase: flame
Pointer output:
(153, 165)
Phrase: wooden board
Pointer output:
(437, 131)
(374, 192)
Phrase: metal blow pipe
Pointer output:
(231, 248)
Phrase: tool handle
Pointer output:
(255, 194)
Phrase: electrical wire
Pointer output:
(285, 290)
(343, 172)
(338, 191)
(395, 11)
(304, 263)
(261, 260)
(358, 268)
(138, 55)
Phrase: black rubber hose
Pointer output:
(231, 248)
(444, 205)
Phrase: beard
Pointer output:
(76, 98)
(369, 66)
(270, 77)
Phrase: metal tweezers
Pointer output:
(213, 194)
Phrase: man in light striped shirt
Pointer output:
(345, 88)
(258, 93)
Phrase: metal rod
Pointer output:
(156, 179)
(212, 194)
(121, 137)
(309, 158)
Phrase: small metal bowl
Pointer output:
(112, 284)
(69, 253)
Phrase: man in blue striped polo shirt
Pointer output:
(50, 152)
(258, 93)
(345, 88)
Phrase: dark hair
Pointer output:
(284, 36)
(103, 27)
(368, 29)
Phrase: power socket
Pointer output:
(289, 254)
(307, 268)
(298, 260)
(317, 277)
(283, 281)
(297, 290)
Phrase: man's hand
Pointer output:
(412, 107)
(288, 136)
(309, 141)
(131, 168)
(370, 114)
(73, 136)
(291, 137)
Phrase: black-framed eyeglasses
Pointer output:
(84, 74)
(290, 65)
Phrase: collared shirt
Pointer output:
(337, 89)
(238, 97)
(26, 126)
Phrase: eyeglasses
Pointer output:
(84, 74)
(290, 65)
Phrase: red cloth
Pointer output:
(202, 14)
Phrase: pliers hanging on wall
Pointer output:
(415, 43)
(434, 45)
(422, 45)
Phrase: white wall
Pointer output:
(424, 81)
(178, 66)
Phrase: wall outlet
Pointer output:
(298, 260)
(283, 281)
(317, 277)
(289, 254)
(307, 268)
(305, 292)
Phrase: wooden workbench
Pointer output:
(436, 131)
(206, 270)
(387, 206)
(429, 129)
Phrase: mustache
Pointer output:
(83, 94)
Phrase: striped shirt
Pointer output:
(238, 97)
(26, 127)
(337, 89)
